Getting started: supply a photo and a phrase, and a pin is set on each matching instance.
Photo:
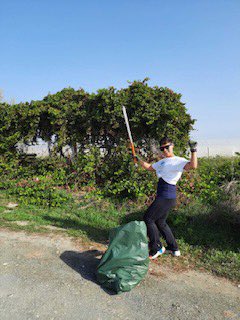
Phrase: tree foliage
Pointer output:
(78, 119)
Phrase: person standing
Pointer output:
(169, 171)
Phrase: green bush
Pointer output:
(117, 177)
(207, 181)
(76, 118)
(38, 191)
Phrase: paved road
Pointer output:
(52, 277)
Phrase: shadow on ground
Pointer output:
(135, 215)
(96, 234)
(85, 263)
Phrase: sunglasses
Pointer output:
(165, 147)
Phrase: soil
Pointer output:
(53, 277)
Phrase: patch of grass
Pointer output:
(31, 227)
(91, 222)
(205, 240)
(220, 262)
(224, 263)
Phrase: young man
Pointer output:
(169, 170)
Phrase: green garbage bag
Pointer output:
(125, 263)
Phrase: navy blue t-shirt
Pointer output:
(166, 190)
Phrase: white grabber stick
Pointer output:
(129, 134)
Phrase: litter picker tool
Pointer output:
(129, 134)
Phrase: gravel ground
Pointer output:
(52, 277)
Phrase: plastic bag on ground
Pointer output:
(125, 263)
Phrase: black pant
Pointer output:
(155, 219)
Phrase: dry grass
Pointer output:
(231, 205)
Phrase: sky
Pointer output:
(192, 47)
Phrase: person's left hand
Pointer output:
(193, 145)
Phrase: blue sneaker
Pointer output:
(158, 253)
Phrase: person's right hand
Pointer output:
(136, 158)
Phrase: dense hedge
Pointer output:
(92, 125)
(116, 178)
(78, 119)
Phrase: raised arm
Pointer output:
(193, 161)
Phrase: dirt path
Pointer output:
(52, 277)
